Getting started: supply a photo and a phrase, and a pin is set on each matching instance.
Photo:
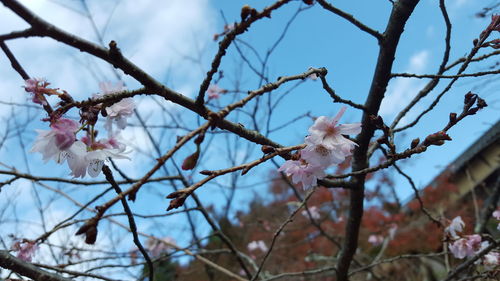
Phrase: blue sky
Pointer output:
(173, 41)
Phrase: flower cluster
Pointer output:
(60, 143)
(496, 215)
(378, 239)
(463, 246)
(25, 249)
(314, 211)
(257, 245)
(214, 91)
(325, 146)
(375, 240)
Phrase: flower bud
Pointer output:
(245, 12)
(90, 231)
(266, 149)
(414, 143)
(176, 203)
(453, 117)
(190, 162)
(481, 103)
(66, 97)
(473, 111)
(91, 235)
(199, 139)
(470, 98)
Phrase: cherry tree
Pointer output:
(152, 183)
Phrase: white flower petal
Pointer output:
(95, 167)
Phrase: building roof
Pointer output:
(491, 136)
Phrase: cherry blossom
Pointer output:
(325, 131)
(37, 87)
(375, 240)
(496, 215)
(456, 225)
(81, 161)
(326, 144)
(110, 88)
(214, 91)
(313, 76)
(465, 247)
(303, 173)
(25, 250)
(392, 231)
(159, 246)
(491, 259)
(119, 111)
(53, 142)
(314, 213)
(254, 245)
(321, 156)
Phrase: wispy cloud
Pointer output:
(401, 90)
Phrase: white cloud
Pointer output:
(419, 61)
(153, 34)
(401, 90)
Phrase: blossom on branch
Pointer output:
(491, 259)
(119, 111)
(375, 240)
(496, 215)
(325, 146)
(325, 132)
(214, 91)
(52, 143)
(81, 161)
(465, 247)
(37, 87)
(88, 154)
(456, 225)
(303, 173)
(314, 211)
(25, 249)
(257, 245)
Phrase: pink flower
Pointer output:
(229, 27)
(314, 213)
(375, 240)
(301, 172)
(52, 143)
(26, 250)
(496, 214)
(491, 259)
(81, 161)
(313, 76)
(65, 130)
(392, 231)
(456, 225)
(254, 245)
(321, 156)
(325, 144)
(465, 247)
(119, 112)
(325, 131)
(110, 88)
(214, 91)
(37, 87)
(157, 247)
